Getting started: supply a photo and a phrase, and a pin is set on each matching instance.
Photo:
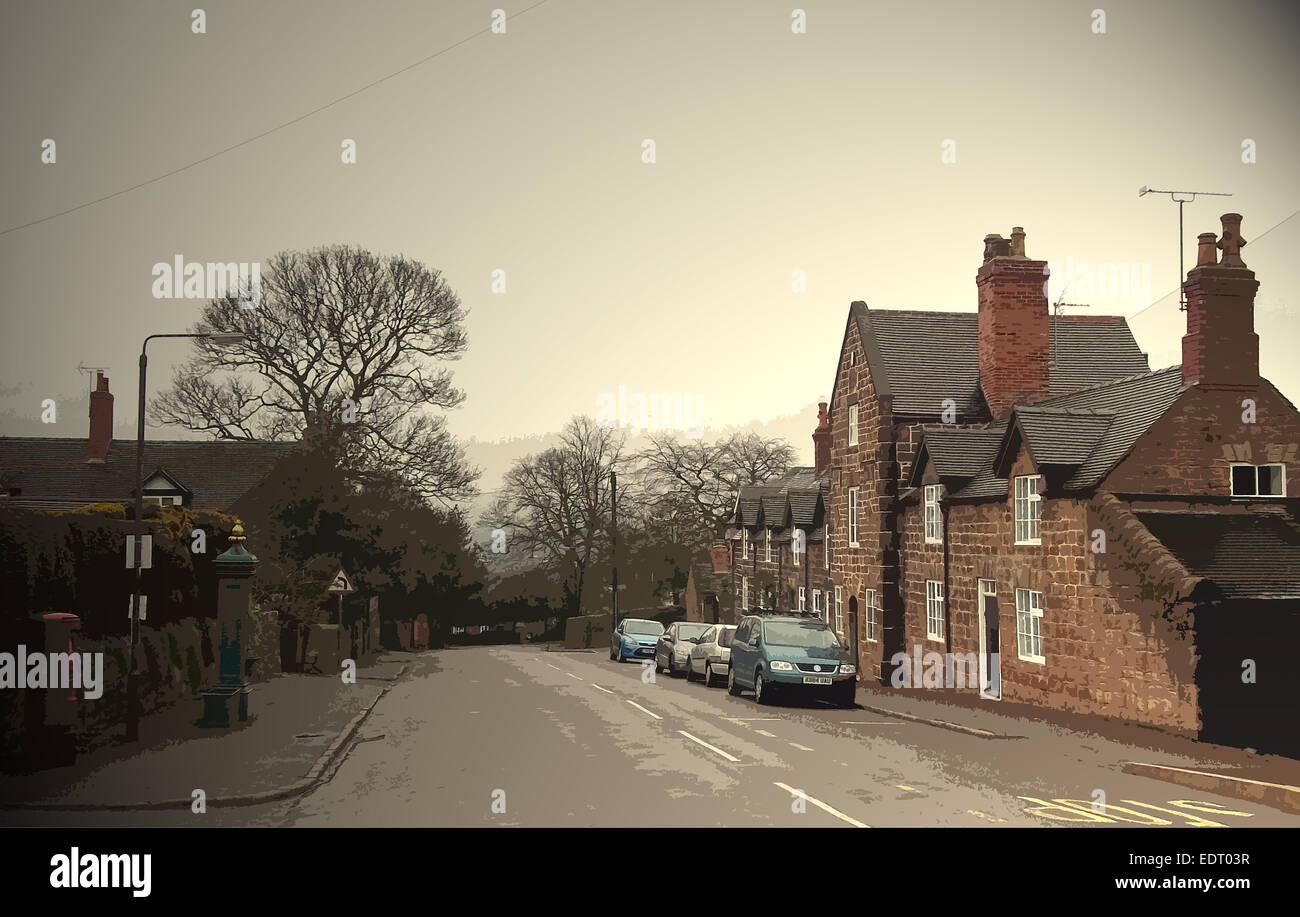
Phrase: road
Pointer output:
(518, 736)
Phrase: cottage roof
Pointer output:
(52, 472)
(1246, 555)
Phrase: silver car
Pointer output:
(710, 657)
(674, 645)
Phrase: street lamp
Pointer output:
(132, 688)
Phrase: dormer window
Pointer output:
(1259, 480)
(933, 518)
(767, 545)
(744, 544)
(1029, 508)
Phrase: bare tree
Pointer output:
(338, 335)
(556, 504)
(696, 483)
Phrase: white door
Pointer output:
(990, 641)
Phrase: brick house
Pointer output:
(63, 473)
(1093, 536)
(778, 539)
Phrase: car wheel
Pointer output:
(732, 688)
(690, 670)
(761, 696)
(847, 696)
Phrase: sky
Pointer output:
(865, 158)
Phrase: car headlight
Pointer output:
(779, 666)
(848, 669)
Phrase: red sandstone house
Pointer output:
(1021, 494)
(778, 542)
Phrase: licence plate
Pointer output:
(816, 679)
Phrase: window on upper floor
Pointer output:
(744, 544)
(798, 544)
(853, 517)
(767, 545)
(853, 425)
(1259, 480)
(1028, 509)
(933, 518)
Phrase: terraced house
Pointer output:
(778, 539)
(1021, 490)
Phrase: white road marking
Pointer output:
(825, 808)
(556, 667)
(764, 732)
(711, 748)
(800, 747)
(599, 688)
(644, 710)
(571, 675)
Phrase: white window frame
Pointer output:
(933, 517)
(1029, 626)
(803, 599)
(162, 500)
(795, 553)
(1028, 511)
(839, 609)
(818, 609)
(826, 545)
(853, 425)
(744, 593)
(744, 543)
(1232, 487)
(767, 545)
(853, 517)
(872, 612)
(934, 609)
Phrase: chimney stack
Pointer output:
(821, 440)
(1014, 337)
(1221, 347)
(101, 421)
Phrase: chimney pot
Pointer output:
(1017, 242)
(821, 440)
(1205, 245)
(995, 247)
(1232, 243)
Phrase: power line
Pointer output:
(1155, 302)
(265, 133)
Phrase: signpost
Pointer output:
(341, 585)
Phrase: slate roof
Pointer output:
(799, 489)
(921, 358)
(1247, 555)
(1135, 402)
(1061, 436)
(52, 473)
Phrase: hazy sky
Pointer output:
(776, 152)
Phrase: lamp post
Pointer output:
(132, 686)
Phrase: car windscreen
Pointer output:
(725, 636)
(812, 635)
(691, 631)
(643, 627)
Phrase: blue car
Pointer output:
(634, 638)
(779, 653)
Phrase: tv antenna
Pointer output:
(90, 371)
(1057, 307)
(1174, 196)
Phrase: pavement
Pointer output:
(296, 724)
(518, 736)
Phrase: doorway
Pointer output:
(990, 641)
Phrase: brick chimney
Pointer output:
(101, 420)
(1221, 347)
(1014, 338)
(821, 440)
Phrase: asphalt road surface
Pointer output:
(518, 736)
